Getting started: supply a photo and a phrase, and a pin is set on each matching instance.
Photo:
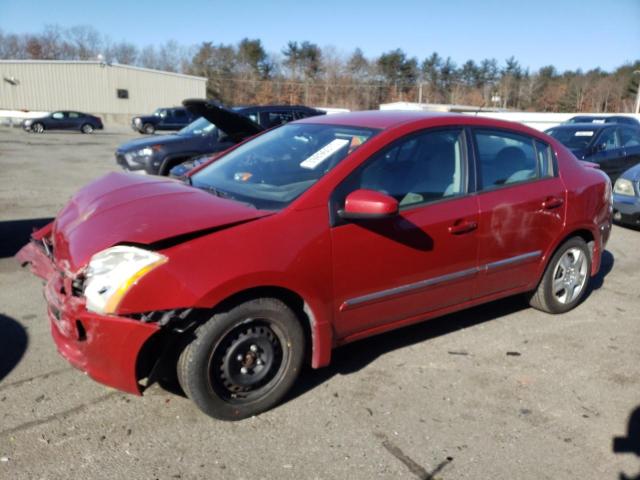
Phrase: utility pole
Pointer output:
(637, 109)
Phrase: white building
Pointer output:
(112, 91)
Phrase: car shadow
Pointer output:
(13, 344)
(14, 234)
(631, 442)
(355, 356)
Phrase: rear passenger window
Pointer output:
(278, 118)
(506, 158)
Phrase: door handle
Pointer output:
(463, 227)
(552, 202)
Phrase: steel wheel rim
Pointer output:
(570, 275)
(37, 128)
(87, 129)
(248, 361)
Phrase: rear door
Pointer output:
(180, 118)
(76, 120)
(522, 207)
(629, 138)
(424, 259)
(609, 153)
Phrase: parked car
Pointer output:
(267, 116)
(613, 147)
(626, 198)
(63, 120)
(604, 119)
(309, 236)
(174, 118)
(215, 129)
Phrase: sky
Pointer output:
(568, 34)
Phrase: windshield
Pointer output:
(270, 171)
(201, 126)
(573, 138)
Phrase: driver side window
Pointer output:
(416, 169)
(608, 140)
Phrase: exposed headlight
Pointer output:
(624, 187)
(112, 272)
(145, 152)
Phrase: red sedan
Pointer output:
(309, 236)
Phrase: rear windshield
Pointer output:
(573, 138)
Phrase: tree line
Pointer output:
(303, 72)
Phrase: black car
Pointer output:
(614, 147)
(64, 120)
(604, 119)
(162, 119)
(216, 129)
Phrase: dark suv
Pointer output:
(162, 119)
(604, 119)
(215, 129)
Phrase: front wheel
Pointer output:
(566, 278)
(148, 128)
(37, 127)
(243, 361)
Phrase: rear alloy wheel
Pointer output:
(148, 129)
(244, 361)
(37, 127)
(86, 128)
(566, 278)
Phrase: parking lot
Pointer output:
(500, 391)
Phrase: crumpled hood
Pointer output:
(126, 208)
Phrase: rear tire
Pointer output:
(566, 278)
(86, 128)
(243, 361)
(148, 129)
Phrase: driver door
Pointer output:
(393, 270)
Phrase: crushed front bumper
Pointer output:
(106, 347)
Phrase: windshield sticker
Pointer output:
(584, 134)
(325, 152)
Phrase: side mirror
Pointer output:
(366, 204)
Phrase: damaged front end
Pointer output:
(105, 346)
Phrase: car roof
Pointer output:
(386, 119)
(262, 108)
(583, 126)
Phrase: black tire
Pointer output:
(86, 128)
(37, 127)
(243, 361)
(548, 297)
(167, 165)
(148, 129)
